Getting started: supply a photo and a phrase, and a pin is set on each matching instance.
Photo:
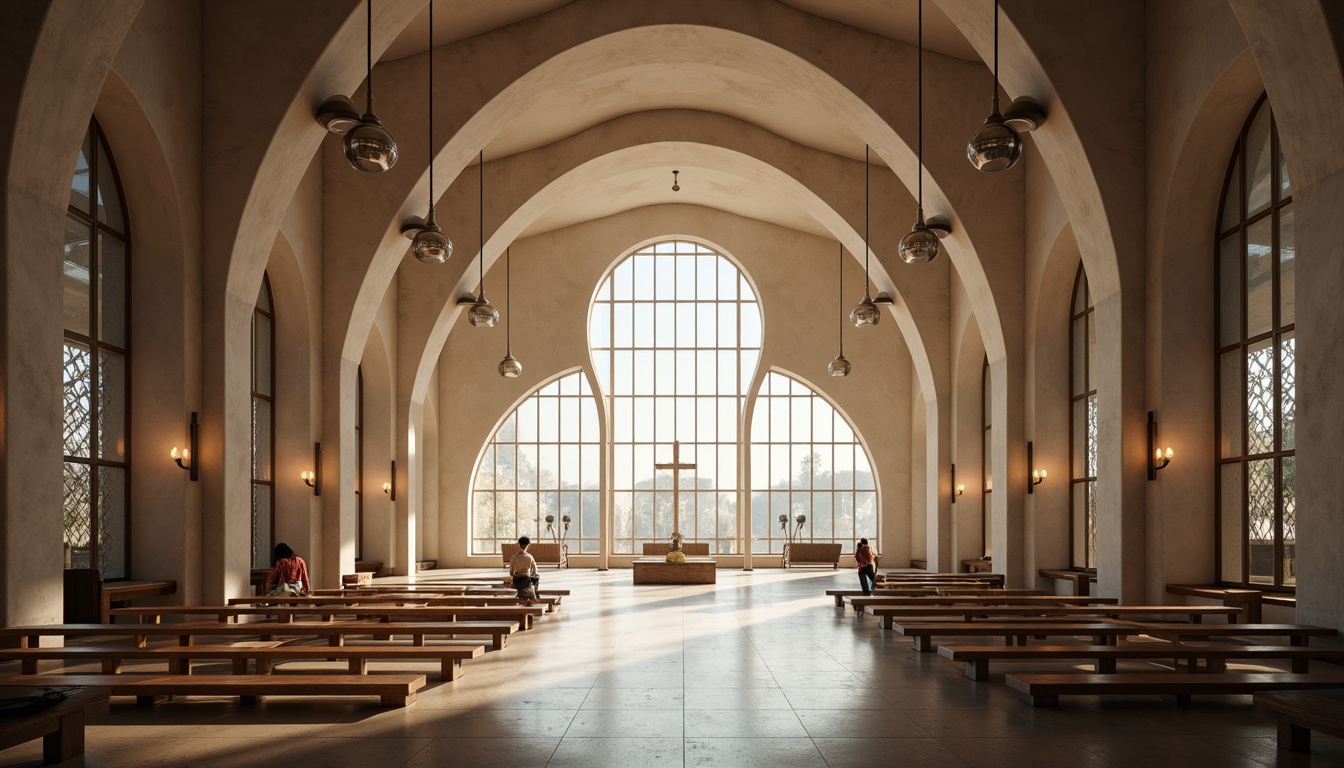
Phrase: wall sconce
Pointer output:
(188, 453)
(1034, 476)
(390, 488)
(313, 479)
(1157, 457)
(957, 488)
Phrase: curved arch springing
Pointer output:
(811, 477)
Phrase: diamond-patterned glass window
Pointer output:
(95, 399)
(263, 427)
(1255, 253)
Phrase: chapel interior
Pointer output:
(1007, 287)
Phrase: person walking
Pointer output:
(863, 555)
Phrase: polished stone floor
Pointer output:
(760, 670)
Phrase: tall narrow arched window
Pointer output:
(1255, 250)
(359, 463)
(675, 334)
(806, 461)
(544, 461)
(263, 427)
(95, 281)
(1083, 425)
(986, 469)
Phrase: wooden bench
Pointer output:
(970, 613)
(391, 690)
(1249, 600)
(179, 657)
(861, 601)
(544, 552)
(688, 548)
(60, 725)
(88, 598)
(1301, 713)
(522, 614)
(547, 602)
(334, 631)
(1045, 690)
(1106, 633)
(1082, 580)
(1215, 657)
(808, 553)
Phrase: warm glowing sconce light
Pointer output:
(1035, 476)
(1157, 457)
(313, 478)
(1038, 477)
(957, 488)
(308, 478)
(184, 458)
(387, 488)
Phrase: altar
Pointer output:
(696, 570)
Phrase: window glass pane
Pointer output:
(599, 326)
(1229, 290)
(79, 183)
(1258, 162)
(1091, 523)
(111, 291)
(1080, 293)
(1259, 277)
(1260, 498)
(112, 522)
(1093, 429)
(1289, 502)
(77, 494)
(262, 517)
(262, 426)
(1231, 520)
(77, 399)
(75, 277)
(112, 401)
(262, 356)
(1288, 391)
(1079, 426)
(1091, 351)
(1260, 387)
(1079, 340)
(1232, 200)
(1287, 262)
(109, 202)
(1285, 187)
(1230, 404)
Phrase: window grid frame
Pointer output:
(1088, 316)
(359, 462)
(986, 475)
(268, 484)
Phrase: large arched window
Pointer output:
(1083, 425)
(675, 334)
(543, 460)
(986, 469)
(263, 427)
(95, 280)
(806, 460)
(1255, 250)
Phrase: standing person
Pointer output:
(863, 555)
(523, 569)
(290, 574)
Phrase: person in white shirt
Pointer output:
(523, 569)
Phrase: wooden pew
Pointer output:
(1215, 657)
(522, 614)
(391, 690)
(335, 632)
(1106, 633)
(1301, 713)
(811, 553)
(547, 603)
(1249, 600)
(179, 658)
(1045, 690)
(88, 598)
(61, 726)
(1081, 580)
(544, 552)
(971, 613)
(861, 601)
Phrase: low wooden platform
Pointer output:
(391, 690)
(1300, 713)
(693, 571)
(60, 726)
(1045, 690)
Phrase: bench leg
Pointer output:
(1182, 699)
(1040, 699)
(149, 701)
(499, 643)
(839, 601)
(249, 700)
(888, 621)
(1293, 737)
(451, 669)
(265, 666)
(67, 741)
(1301, 666)
(113, 667)
(1215, 665)
(239, 667)
(1105, 666)
(359, 666)
(978, 670)
(28, 666)
(398, 700)
(923, 643)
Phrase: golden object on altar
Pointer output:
(675, 555)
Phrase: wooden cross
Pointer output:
(676, 466)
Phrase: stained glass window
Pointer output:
(1255, 253)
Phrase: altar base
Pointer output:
(696, 570)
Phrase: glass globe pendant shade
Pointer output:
(430, 245)
(482, 315)
(865, 315)
(920, 244)
(995, 147)
(510, 368)
(839, 367)
(369, 147)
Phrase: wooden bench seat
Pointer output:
(1215, 657)
(335, 632)
(1045, 690)
(811, 553)
(179, 657)
(889, 613)
(549, 603)
(60, 726)
(860, 601)
(688, 548)
(544, 552)
(1107, 632)
(523, 614)
(1299, 713)
(1082, 580)
(391, 690)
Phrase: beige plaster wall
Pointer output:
(557, 273)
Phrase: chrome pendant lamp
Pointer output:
(839, 367)
(920, 244)
(481, 314)
(509, 367)
(998, 144)
(368, 145)
(428, 242)
(866, 314)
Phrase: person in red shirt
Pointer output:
(290, 576)
(863, 555)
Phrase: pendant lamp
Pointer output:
(428, 242)
(998, 144)
(920, 244)
(839, 367)
(482, 315)
(866, 314)
(509, 367)
(368, 145)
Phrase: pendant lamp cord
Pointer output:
(368, 58)
(508, 302)
(996, 57)
(842, 299)
(480, 165)
(920, 99)
(866, 198)
(431, 105)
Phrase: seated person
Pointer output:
(523, 569)
(290, 575)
